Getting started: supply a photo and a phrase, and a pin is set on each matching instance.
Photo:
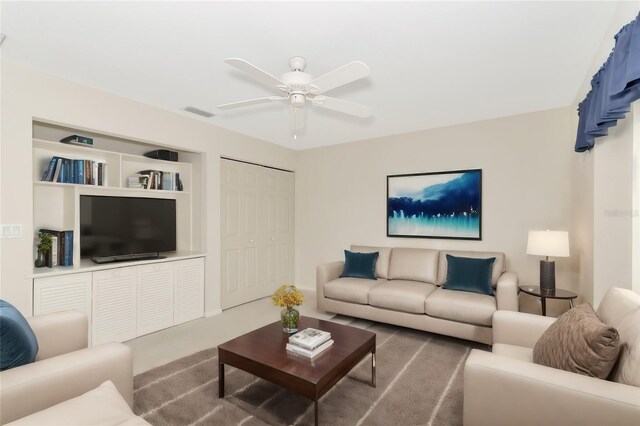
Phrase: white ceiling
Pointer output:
(433, 63)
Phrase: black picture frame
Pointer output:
(442, 205)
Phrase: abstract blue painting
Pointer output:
(435, 205)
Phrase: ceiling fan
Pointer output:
(297, 87)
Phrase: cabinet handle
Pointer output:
(251, 240)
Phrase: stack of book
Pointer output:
(309, 342)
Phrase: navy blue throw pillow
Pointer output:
(360, 265)
(18, 343)
(469, 274)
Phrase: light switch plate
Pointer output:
(11, 230)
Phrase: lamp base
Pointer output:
(548, 275)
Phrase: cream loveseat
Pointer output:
(408, 292)
(532, 394)
(69, 383)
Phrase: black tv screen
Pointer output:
(112, 226)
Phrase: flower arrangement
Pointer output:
(287, 296)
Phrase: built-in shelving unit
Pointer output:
(56, 205)
(159, 293)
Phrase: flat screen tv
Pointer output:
(122, 228)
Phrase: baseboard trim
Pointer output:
(212, 313)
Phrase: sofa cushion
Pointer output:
(469, 274)
(103, 405)
(354, 290)
(18, 343)
(400, 295)
(461, 306)
(620, 308)
(413, 264)
(359, 265)
(579, 342)
(382, 265)
(498, 266)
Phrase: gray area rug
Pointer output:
(419, 382)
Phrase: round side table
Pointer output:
(558, 293)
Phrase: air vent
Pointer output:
(197, 111)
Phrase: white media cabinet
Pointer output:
(127, 299)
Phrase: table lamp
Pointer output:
(548, 243)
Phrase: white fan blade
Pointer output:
(251, 102)
(343, 106)
(255, 72)
(340, 76)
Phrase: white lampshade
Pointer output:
(548, 243)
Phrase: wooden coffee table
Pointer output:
(263, 353)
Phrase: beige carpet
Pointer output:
(419, 382)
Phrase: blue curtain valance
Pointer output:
(613, 88)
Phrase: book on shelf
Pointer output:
(155, 178)
(168, 181)
(309, 353)
(58, 167)
(68, 248)
(309, 338)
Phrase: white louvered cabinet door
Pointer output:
(189, 290)
(61, 293)
(114, 305)
(155, 297)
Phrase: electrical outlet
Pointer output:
(6, 231)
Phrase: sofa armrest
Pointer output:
(507, 292)
(59, 333)
(519, 328)
(33, 387)
(325, 273)
(505, 391)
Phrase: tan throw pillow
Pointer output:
(579, 342)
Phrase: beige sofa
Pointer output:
(408, 292)
(532, 394)
(69, 383)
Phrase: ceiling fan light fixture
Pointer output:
(297, 100)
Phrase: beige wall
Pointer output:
(613, 209)
(29, 95)
(526, 179)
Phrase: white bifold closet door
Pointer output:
(257, 226)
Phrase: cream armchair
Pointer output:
(505, 387)
(65, 367)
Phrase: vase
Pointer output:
(40, 261)
(289, 317)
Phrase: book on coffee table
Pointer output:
(309, 338)
(310, 354)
